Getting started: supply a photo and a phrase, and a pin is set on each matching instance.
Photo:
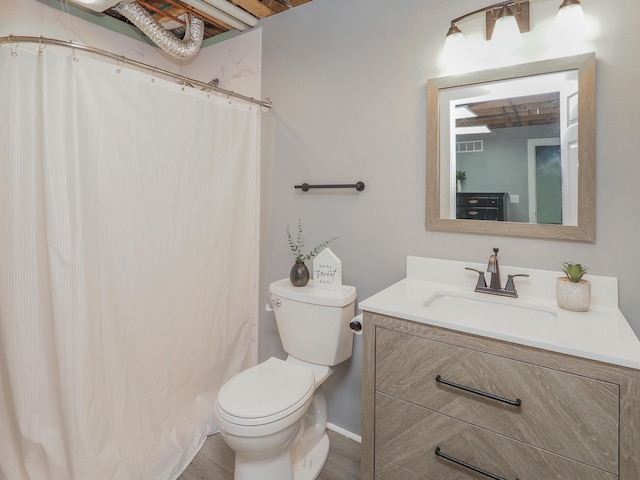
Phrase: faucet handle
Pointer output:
(481, 281)
(511, 286)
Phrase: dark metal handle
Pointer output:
(474, 270)
(516, 403)
(511, 286)
(359, 186)
(482, 283)
(467, 465)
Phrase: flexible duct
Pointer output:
(167, 41)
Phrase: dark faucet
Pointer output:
(494, 269)
(495, 287)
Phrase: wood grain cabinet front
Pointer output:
(492, 409)
(543, 407)
(408, 435)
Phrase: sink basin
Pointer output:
(458, 307)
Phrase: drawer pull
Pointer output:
(516, 403)
(467, 465)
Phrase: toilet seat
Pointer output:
(265, 393)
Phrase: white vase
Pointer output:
(573, 296)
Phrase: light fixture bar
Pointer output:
(480, 10)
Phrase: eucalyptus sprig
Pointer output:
(297, 245)
(574, 271)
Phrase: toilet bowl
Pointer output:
(274, 415)
(262, 413)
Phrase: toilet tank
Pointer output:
(313, 323)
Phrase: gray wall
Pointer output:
(503, 164)
(348, 81)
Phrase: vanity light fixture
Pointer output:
(511, 13)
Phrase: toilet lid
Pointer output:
(265, 393)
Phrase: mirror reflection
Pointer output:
(513, 148)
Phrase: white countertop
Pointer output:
(602, 333)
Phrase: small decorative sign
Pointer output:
(327, 270)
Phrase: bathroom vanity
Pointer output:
(460, 385)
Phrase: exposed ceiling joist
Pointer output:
(170, 10)
(529, 110)
(255, 8)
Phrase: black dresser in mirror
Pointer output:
(481, 206)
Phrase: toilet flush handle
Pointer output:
(269, 306)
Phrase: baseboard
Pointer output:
(344, 433)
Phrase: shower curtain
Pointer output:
(128, 248)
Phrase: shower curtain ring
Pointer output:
(13, 48)
(40, 46)
(120, 65)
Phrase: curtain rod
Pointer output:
(190, 82)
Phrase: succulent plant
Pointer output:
(574, 271)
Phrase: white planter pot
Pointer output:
(573, 296)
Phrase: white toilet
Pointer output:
(274, 415)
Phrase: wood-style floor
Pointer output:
(215, 460)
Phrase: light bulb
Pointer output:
(454, 51)
(454, 45)
(506, 33)
(571, 21)
(571, 31)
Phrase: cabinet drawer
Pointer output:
(478, 201)
(570, 415)
(482, 213)
(406, 436)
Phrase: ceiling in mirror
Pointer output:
(540, 109)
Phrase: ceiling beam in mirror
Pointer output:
(570, 120)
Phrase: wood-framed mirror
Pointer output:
(523, 139)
